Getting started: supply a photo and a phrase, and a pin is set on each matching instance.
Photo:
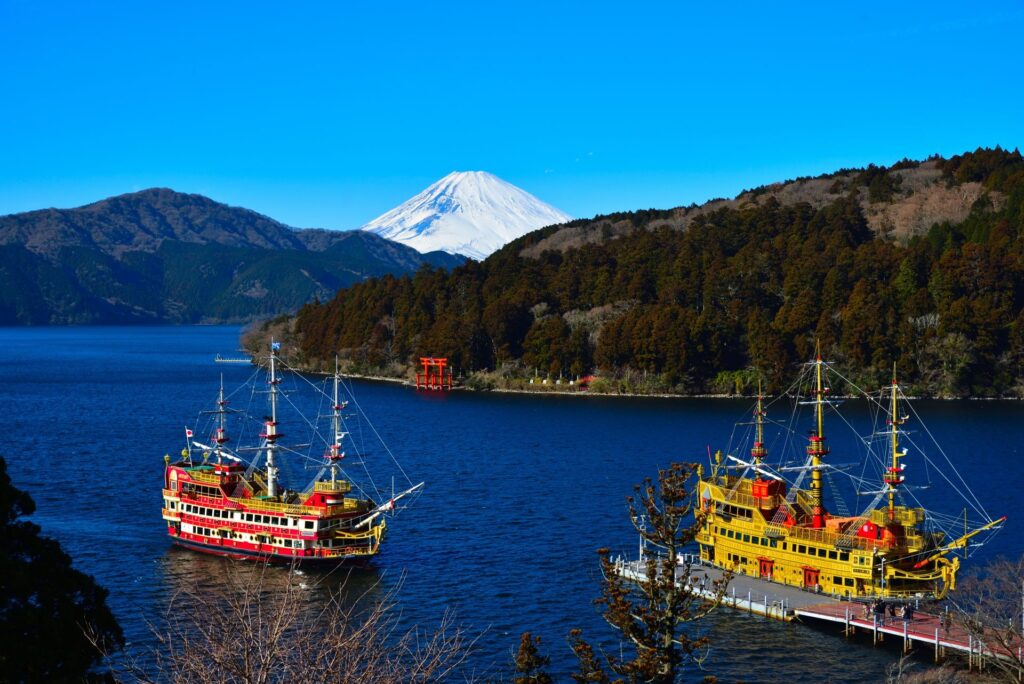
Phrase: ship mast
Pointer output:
(817, 449)
(271, 434)
(894, 475)
(220, 437)
(336, 454)
(759, 452)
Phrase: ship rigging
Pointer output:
(219, 501)
(758, 522)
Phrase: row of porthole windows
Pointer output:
(729, 509)
(738, 559)
(206, 532)
(746, 538)
(843, 556)
(248, 517)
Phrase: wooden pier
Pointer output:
(757, 596)
(922, 628)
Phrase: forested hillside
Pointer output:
(711, 298)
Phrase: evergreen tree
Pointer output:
(649, 615)
(54, 620)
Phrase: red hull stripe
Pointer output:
(242, 554)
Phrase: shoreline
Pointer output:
(630, 395)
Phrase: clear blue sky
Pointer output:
(328, 114)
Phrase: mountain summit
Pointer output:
(473, 213)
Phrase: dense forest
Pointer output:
(741, 293)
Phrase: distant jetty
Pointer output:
(236, 359)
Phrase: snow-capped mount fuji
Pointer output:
(473, 213)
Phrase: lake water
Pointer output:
(520, 490)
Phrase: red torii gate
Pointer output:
(435, 376)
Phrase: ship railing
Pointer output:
(296, 509)
(740, 499)
(204, 477)
(171, 494)
(200, 498)
(328, 487)
(830, 538)
(905, 516)
(342, 534)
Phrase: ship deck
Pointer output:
(757, 596)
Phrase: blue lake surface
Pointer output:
(520, 490)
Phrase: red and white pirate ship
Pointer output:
(217, 501)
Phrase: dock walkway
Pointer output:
(783, 602)
(745, 593)
(925, 628)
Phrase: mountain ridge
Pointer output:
(130, 258)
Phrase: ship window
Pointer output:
(844, 556)
(309, 524)
(746, 538)
(801, 548)
(821, 553)
(784, 545)
(832, 555)
(248, 517)
(729, 533)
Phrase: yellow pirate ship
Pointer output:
(758, 523)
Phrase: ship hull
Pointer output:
(272, 558)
